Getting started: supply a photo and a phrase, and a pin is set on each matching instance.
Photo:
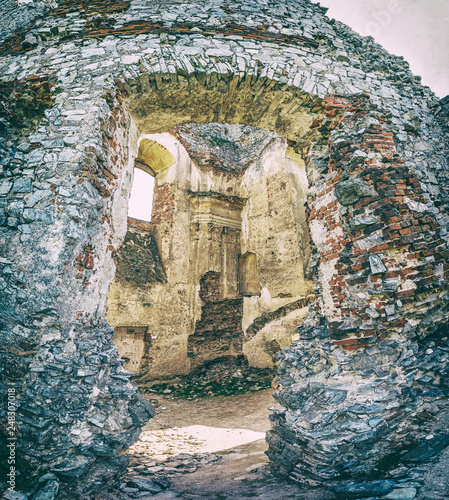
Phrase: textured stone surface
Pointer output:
(79, 90)
(351, 191)
(138, 260)
(364, 490)
(229, 148)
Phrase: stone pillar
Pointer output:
(372, 352)
(69, 218)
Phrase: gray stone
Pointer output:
(162, 481)
(370, 241)
(402, 494)
(37, 196)
(35, 156)
(427, 450)
(48, 492)
(30, 41)
(68, 155)
(372, 313)
(332, 396)
(32, 214)
(351, 191)
(361, 222)
(390, 310)
(390, 285)
(23, 185)
(54, 143)
(5, 186)
(14, 495)
(356, 426)
(416, 206)
(363, 490)
(15, 209)
(24, 147)
(376, 264)
(145, 485)
(366, 409)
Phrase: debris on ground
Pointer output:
(221, 377)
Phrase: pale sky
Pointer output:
(141, 198)
(418, 30)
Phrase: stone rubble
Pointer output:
(220, 377)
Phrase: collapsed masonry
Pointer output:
(84, 86)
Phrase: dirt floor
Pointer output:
(211, 448)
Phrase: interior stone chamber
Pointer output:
(301, 192)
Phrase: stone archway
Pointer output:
(339, 324)
(344, 173)
(103, 411)
(378, 252)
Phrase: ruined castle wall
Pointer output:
(204, 224)
(270, 227)
(273, 228)
(160, 303)
(18, 16)
(75, 102)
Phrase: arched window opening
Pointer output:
(141, 197)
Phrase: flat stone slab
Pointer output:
(363, 490)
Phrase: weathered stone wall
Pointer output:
(219, 332)
(17, 16)
(144, 67)
(138, 267)
(373, 229)
(138, 260)
(213, 229)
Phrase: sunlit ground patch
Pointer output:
(161, 444)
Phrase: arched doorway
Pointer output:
(345, 326)
(81, 267)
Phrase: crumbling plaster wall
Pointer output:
(274, 229)
(163, 307)
(270, 228)
(66, 175)
(260, 200)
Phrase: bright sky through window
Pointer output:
(141, 199)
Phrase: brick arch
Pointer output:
(285, 111)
